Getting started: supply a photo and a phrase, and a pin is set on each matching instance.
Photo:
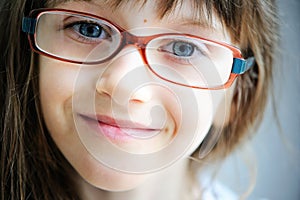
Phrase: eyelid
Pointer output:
(71, 20)
(203, 49)
(76, 17)
(67, 22)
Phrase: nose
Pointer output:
(124, 77)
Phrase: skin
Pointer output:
(69, 91)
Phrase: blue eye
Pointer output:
(183, 49)
(89, 30)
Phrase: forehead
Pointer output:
(197, 10)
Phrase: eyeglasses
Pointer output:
(182, 59)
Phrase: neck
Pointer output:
(171, 183)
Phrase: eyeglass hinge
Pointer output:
(28, 25)
(240, 66)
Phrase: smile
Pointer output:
(120, 130)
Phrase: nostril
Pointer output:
(136, 101)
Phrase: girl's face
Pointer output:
(116, 121)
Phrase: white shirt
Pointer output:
(214, 190)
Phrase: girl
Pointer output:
(111, 99)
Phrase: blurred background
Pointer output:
(274, 154)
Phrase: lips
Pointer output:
(120, 130)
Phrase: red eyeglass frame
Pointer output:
(140, 42)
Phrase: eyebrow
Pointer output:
(201, 23)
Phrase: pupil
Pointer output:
(90, 30)
(183, 49)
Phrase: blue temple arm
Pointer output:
(240, 66)
(28, 25)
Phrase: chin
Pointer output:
(114, 181)
(122, 185)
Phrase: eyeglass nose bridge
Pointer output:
(140, 42)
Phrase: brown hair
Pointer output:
(31, 165)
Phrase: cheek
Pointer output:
(56, 86)
(202, 117)
(193, 112)
(214, 110)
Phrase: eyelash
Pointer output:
(81, 37)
